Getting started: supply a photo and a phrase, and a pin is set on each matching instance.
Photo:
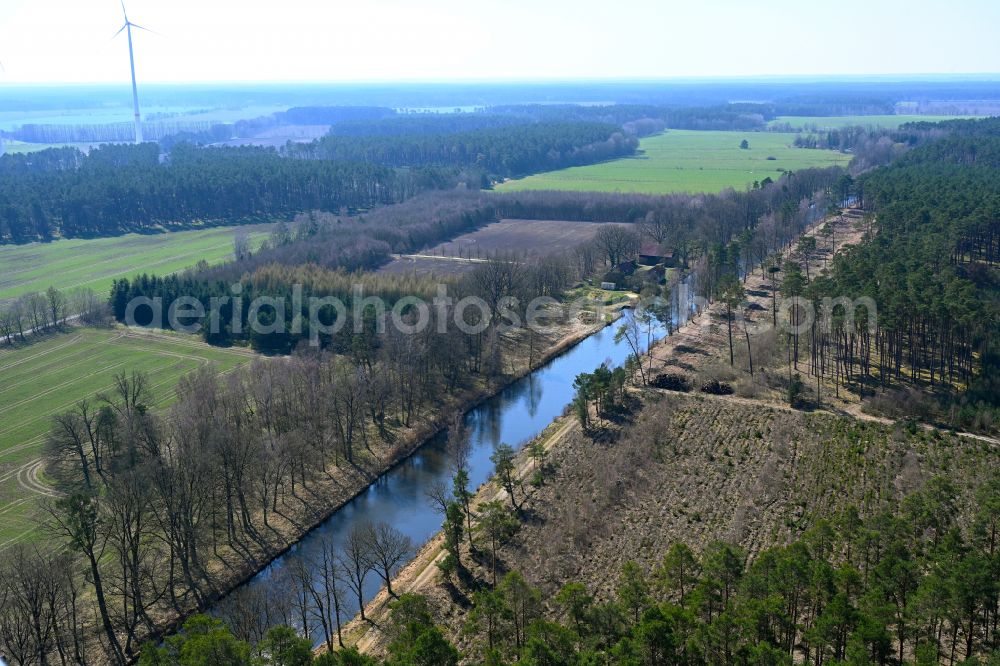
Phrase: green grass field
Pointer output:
(834, 122)
(51, 375)
(686, 161)
(94, 262)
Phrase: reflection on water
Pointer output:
(515, 415)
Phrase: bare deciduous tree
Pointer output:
(241, 245)
(329, 599)
(616, 242)
(56, 302)
(655, 226)
(356, 559)
(387, 548)
(439, 496)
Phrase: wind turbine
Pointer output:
(131, 61)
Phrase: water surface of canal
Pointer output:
(514, 416)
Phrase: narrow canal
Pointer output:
(514, 416)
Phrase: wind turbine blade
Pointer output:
(119, 31)
(136, 25)
(123, 11)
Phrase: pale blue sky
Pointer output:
(359, 40)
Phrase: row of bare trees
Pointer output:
(163, 508)
(316, 590)
(43, 611)
(32, 312)
(41, 312)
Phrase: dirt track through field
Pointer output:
(461, 260)
(59, 363)
(34, 441)
(144, 253)
(145, 334)
(147, 266)
(23, 480)
(70, 404)
(50, 412)
(90, 266)
(40, 354)
(13, 505)
(19, 537)
(27, 478)
(52, 389)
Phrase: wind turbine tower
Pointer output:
(131, 61)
